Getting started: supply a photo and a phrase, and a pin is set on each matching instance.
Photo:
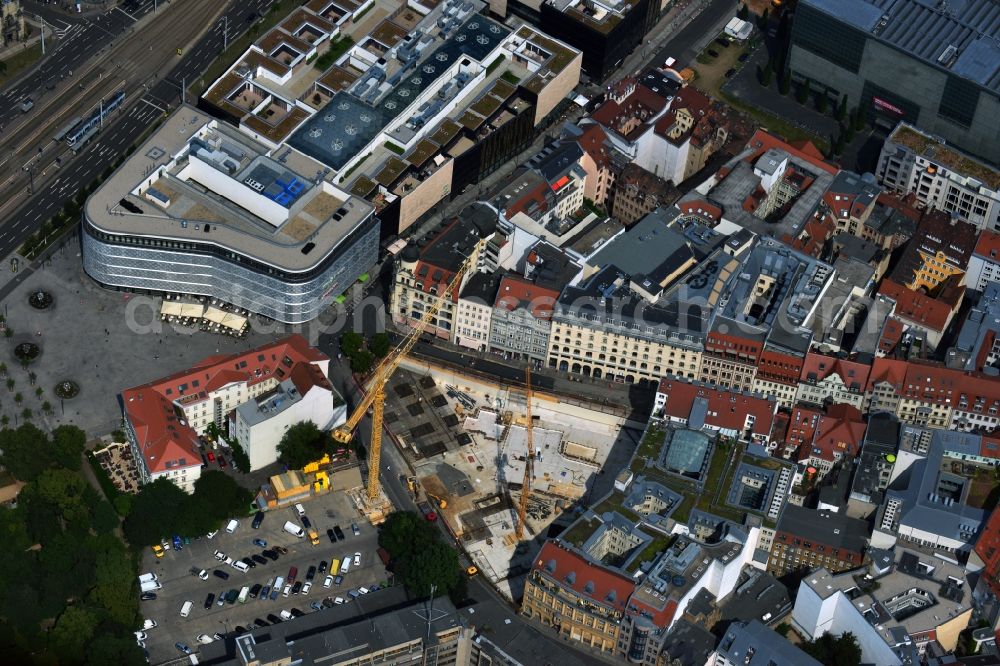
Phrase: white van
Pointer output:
(147, 578)
(240, 566)
(345, 565)
(150, 586)
(294, 529)
(233, 524)
(299, 509)
(186, 609)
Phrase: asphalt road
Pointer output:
(70, 41)
(122, 129)
(684, 45)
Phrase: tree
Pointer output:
(362, 362)
(240, 458)
(211, 431)
(4, 421)
(742, 13)
(18, 398)
(762, 19)
(379, 345)
(32, 377)
(229, 498)
(72, 632)
(154, 513)
(46, 407)
(421, 558)
(842, 109)
(351, 342)
(10, 383)
(24, 451)
(63, 491)
(108, 648)
(833, 650)
(113, 591)
(3, 369)
(68, 443)
(802, 93)
(301, 444)
(38, 392)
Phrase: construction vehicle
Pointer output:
(529, 459)
(412, 485)
(374, 503)
(313, 537)
(441, 503)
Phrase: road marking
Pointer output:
(160, 109)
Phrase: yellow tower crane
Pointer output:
(375, 397)
(529, 460)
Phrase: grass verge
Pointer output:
(19, 62)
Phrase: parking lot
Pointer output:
(180, 585)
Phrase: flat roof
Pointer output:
(317, 216)
(348, 123)
(927, 30)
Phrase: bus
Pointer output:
(244, 593)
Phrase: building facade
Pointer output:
(906, 61)
(940, 177)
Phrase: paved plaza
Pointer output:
(103, 340)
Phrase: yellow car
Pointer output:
(158, 550)
(472, 571)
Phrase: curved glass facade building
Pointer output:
(200, 209)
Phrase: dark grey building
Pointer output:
(933, 64)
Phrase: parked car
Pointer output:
(328, 581)
(306, 523)
(260, 543)
(713, 53)
(338, 600)
(257, 520)
(273, 619)
(148, 624)
(311, 573)
(231, 596)
(339, 532)
(266, 592)
(211, 535)
(297, 587)
(200, 573)
(307, 587)
(205, 639)
(258, 559)
(357, 559)
(219, 555)
(239, 630)
(323, 566)
(363, 590)
(209, 600)
(140, 636)
(730, 72)
(178, 543)
(271, 555)
(183, 648)
(255, 590)
(260, 623)
(355, 529)
(211, 457)
(297, 613)
(287, 591)
(222, 463)
(292, 573)
(286, 615)
(249, 562)
(338, 580)
(281, 549)
(221, 599)
(724, 43)
(148, 596)
(328, 602)
(316, 606)
(218, 573)
(744, 57)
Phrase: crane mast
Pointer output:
(375, 397)
(529, 460)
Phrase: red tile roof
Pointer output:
(727, 409)
(641, 105)
(762, 141)
(921, 309)
(988, 245)
(570, 569)
(892, 333)
(934, 383)
(988, 549)
(516, 292)
(698, 105)
(818, 367)
(990, 447)
(163, 434)
(707, 211)
(592, 141)
(839, 431)
(660, 617)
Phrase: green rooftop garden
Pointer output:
(659, 543)
(615, 502)
(580, 531)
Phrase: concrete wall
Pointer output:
(426, 195)
(558, 88)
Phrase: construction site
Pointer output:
(468, 443)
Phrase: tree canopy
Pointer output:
(420, 558)
(161, 509)
(833, 650)
(302, 444)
